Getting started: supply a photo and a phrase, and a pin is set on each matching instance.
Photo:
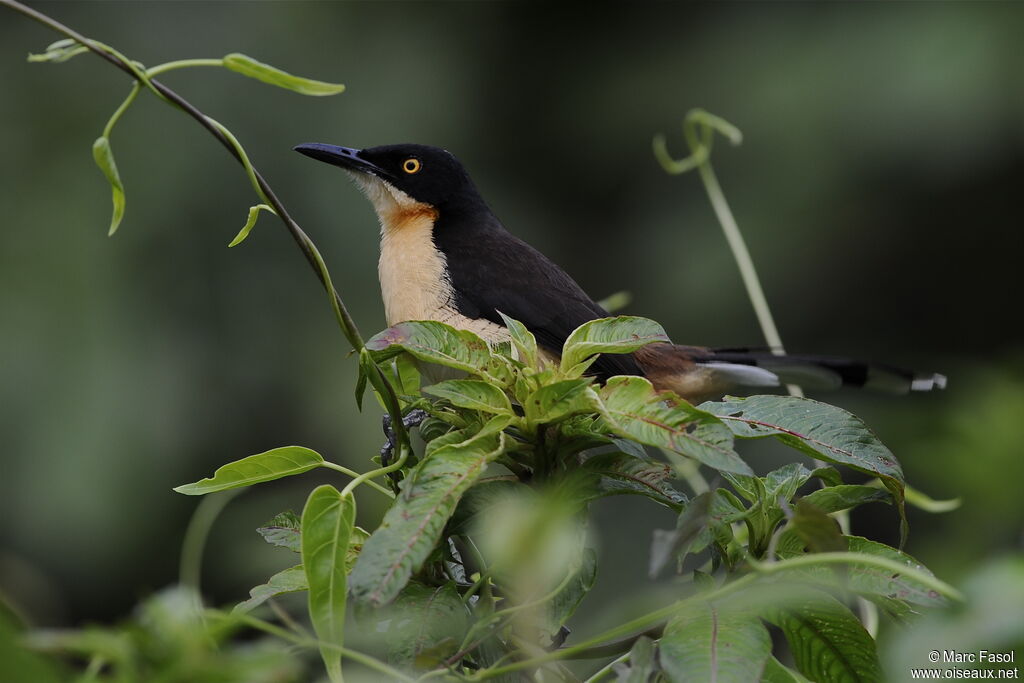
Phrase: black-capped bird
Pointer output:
(445, 256)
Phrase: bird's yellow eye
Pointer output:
(412, 165)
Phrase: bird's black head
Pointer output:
(428, 175)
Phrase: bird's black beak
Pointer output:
(346, 157)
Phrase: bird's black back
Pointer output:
(492, 270)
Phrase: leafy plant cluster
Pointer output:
(482, 557)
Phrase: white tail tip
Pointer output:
(935, 381)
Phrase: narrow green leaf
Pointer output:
(290, 580)
(846, 496)
(60, 51)
(433, 342)
(635, 411)
(624, 334)
(104, 158)
(424, 625)
(283, 530)
(412, 526)
(708, 643)
(827, 641)
(616, 301)
(523, 339)
(817, 429)
(247, 66)
(923, 501)
(621, 473)
(256, 469)
(254, 213)
(108, 645)
(560, 400)
(473, 394)
(327, 522)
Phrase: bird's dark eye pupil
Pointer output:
(411, 165)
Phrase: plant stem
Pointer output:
(761, 569)
(608, 668)
(815, 559)
(116, 116)
(209, 508)
(308, 248)
(182, 64)
(700, 158)
(354, 474)
(284, 634)
(366, 476)
(738, 246)
(305, 244)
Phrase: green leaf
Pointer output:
(256, 469)
(433, 342)
(104, 158)
(775, 672)
(560, 400)
(254, 213)
(561, 607)
(473, 394)
(923, 501)
(60, 51)
(366, 366)
(893, 592)
(412, 526)
(621, 473)
(819, 532)
(642, 663)
(424, 625)
(523, 340)
(635, 411)
(784, 481)
(616, 301)
(989, 619)
(827, 641)
(817, 429)
(846, 496)
(407, 375)
(707, 643)
(290, 580)
(283, 530)
(873, 581)
(327, 522)
(673, 544)
(624, 334)
(247, 66)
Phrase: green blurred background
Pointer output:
(878, 185)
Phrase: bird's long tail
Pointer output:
(697, 373)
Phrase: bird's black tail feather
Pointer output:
(826, 372)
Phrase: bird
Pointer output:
(445, 256)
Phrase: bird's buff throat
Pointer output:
(414, 280)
